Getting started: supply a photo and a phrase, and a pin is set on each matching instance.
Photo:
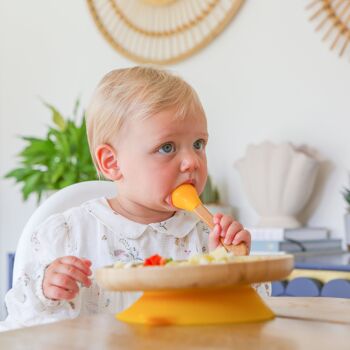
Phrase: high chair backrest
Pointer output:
(68, 197)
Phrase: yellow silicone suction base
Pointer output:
(236, 304)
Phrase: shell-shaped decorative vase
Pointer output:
(278, 181)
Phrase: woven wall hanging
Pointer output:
(161, 31)
(333, 17)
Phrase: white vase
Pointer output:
(278, 181)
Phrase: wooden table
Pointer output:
(302, 323)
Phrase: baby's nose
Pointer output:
(189, 163)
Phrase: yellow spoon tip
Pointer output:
(185, 197)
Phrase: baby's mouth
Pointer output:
(190, 182)
(168, 199)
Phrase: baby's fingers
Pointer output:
(80, 264)
(226, 222)
(73, 273)
(63, 281)
(217, 218)
(232, 231)
(214, 238)
(58, 293)
(243, 236)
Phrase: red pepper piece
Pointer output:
(153, 260)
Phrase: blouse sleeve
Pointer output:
(26, 304)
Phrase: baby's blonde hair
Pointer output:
(137, 92)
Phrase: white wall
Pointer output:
(268, 76)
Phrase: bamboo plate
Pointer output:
(248, 269)
(197, 294)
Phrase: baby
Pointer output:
(147, 133)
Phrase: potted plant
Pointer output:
(210, 197)
(346, 195)
(59, 159)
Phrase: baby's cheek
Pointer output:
(200, 186)
(160, 193)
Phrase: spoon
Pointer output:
(186, 197)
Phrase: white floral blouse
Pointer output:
(94, 231)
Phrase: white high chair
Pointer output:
(68, 197)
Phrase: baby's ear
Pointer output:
(107, 162)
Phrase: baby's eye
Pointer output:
(167, 148)
(199, 144)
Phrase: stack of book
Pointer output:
(299, 240)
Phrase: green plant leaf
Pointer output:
(19, 174)
(61, 141)
(76, 107)
(68, 179)
(58, 172)
(346, 195)
(210, 193)
(37, 146)
(57, 117)
(57, 160)
(30, 184)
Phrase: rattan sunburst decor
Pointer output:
(333, 17)
(161, 31)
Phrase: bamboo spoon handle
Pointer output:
(205, 215)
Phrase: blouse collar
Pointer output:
(178, 226)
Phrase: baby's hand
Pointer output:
(62, 275)
(229, 230)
